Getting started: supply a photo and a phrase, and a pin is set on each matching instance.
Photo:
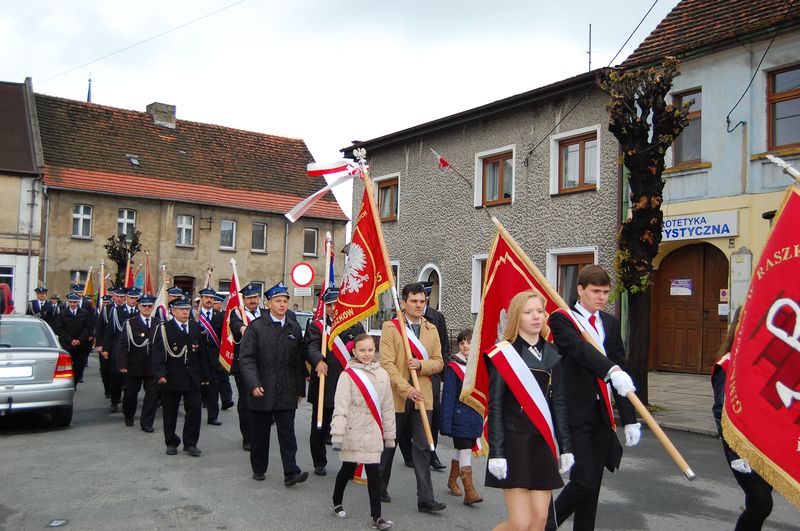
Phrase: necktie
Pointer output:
(416, 329)
(147, 322)
(592, 319)
(208, 316)
(185, 328)
(74, 313)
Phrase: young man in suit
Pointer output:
(72, 328)
(40, 306)
(210, 323)
(585, 372)
(180, 362)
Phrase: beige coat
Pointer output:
(353, 425)
(394, 360)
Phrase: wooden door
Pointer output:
(715, 326)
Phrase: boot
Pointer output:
(452, 481)
(470, 494)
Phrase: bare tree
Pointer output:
(119, 249)
(645, 125)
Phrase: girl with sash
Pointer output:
(527, 416)
(363, 423)
(461, 422)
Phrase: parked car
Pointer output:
(302, 319)
(35, 372)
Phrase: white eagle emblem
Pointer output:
(501, 325)
(354, 278)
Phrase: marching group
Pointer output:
(549, 404)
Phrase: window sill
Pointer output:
(311, 255)
(578, 190)
(687, 166)
(495, 203)
(783, 152)
(389, 220)
(227, 249)
(184, 246)
(258, 251)
(84, 238)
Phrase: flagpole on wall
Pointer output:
(400, 317)
(324, 345)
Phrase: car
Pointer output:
(35, 372)
(302, 319)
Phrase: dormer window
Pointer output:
(134, 159)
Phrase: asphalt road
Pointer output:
(100, 474)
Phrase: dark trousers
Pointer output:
(224, 385)
(104, 373)
(210, 395)
(115, 379)
(373, 486)
(317, 437)
(591, 444)
(130, 398)
(757, 501)
(243, 410)
(262, 428)
(171, 400)
(79, 359)
(405, 442)
(410, 421)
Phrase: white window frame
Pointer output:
(552, 259)
(475, 299)
(233, 240)
(425, 272)
(555, 152)
(124, 220)
(82, 218)
(395, 264)
(316, 241)
(478, 179)
(184, 227)
(262, 286)
(264, 225)
(376, 190)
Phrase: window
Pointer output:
(568, 266)
(478, 278)
(82, 221)
(7, 276)
(494, 176)
(387, 198)
(259, 284)
(784, 108)
(78, 276)
(259, 241)
(687, 146)
(577, 163)
(185, 231)
(310, 242)
(126, 222)
(227, 234)
(385, 305)
(224, 286)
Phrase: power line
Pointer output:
(142, 41)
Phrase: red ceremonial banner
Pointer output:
(761, 417)
(226, 348)
(365, 275)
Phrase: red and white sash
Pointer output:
(208, 328)
(360, 475)
(602, 387)
(369, 393)
(417, 348)
(525, 389)
(339, 348)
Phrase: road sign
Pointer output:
(302, 274)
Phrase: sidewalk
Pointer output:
(684, 401)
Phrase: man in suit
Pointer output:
(180, 364)
(271, 360)
(104, 321)
(133, 361)
(437, 318)
(118, 314)
(211, 324)
(427, 362)
(585, 372)
(40, 306)
(72, 328)
(252, 310)
(331, 366)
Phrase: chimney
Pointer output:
(163, 114)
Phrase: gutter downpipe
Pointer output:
(46, 233)
(285, 251)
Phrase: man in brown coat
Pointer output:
(426, 360)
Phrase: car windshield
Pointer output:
(302, 319)
(16, 334)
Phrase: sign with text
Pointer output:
(302, 292)
(724, 224)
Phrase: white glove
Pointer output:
(741, 465)
(633, 432)
(567, 461)
(621, 381)
(498, 467)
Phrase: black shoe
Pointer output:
(259, 477)
(171, 450)
(385, 498)
(214, 422)
(431, 506)
(194, 451)
(410, 464)
(227, 405)
(108, 395)
(435, 463)
(129, 421)
(295, 478)
(113, 408)
(147, 429)
(320, 471)
(328, 441)
(246, 447)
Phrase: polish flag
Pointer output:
(443, 164)
(343, 169)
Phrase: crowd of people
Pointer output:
(549, 404)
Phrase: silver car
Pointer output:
(35, 372)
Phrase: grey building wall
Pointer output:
(437, 222)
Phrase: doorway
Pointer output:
(687, 326)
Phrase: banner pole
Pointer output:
(238, 286)
(324, 345)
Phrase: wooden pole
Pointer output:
(637, 404)
(324, 345)
(241, 299)
(398, 312)
(102, 281)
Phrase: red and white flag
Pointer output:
(761, 416)
(342, 170)
(443, 163)
(226, 346)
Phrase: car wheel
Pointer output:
(61, 417)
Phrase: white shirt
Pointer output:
(598, 331)
(281, 321)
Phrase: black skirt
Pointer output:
(463, 443)
(531, 464)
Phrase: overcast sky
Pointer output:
(326, 71)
